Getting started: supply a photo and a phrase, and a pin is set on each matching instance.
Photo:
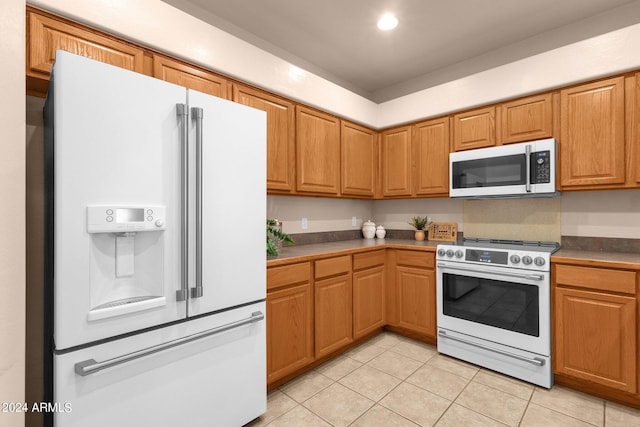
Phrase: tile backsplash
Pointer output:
(514, 219)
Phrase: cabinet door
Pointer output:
(592, 145)
(317, 151)
(526, 119)
(368, 300)
(46, 35)
(289, 330)
(281, 137)
(333, 314)
(416, 294)
(190, 77)
(358, 152)
(431, 153)
(396, 161)
(595, 337)
(474, 129)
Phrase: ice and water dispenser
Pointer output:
(127, 259)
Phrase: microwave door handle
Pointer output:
(527, 154)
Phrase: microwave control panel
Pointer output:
(540, 167)
(125, 219)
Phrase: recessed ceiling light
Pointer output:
(387, 22)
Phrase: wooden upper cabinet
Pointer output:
(281, 136)
(592, 124)
(358, 159)
(430, 142)
(395, 149)
(189, 76)
(526, 119)
(46, 34)
(317, 151)
(474, 129)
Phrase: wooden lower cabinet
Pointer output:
(416, 299)
(289, 320)
(333, 305)
(368, 292)
(595, 327)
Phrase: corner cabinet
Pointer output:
(359, 160)
(189, 76)
(596, 326)
(289, 320)
(592, 126)
(395, 150)
(281, 135)
(430, 142)
(474, 129)
(317, 151)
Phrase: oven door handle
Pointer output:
(535, 360)
(537, 277)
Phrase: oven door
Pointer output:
(497, 304)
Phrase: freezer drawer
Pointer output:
(215, 380)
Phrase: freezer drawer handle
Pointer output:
(90, 366)
(535, 360)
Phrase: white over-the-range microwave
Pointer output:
(526, 169)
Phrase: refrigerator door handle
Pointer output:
(197, 114)
(183, 115)
(90, 366)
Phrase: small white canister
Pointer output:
(369, 229)
(380, 232)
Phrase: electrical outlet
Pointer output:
(304, 224)
(354, 221)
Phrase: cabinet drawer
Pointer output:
(415, 258)
(332, 266)
(368, 259)
(597, 278)
(288, 275)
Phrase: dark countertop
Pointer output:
(290, 254)
(301, 253)
(602, 259)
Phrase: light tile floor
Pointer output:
(394, 381)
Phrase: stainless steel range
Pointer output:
(493, 299)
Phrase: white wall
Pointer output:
(395, 214)
(12, 211)
(611, 213)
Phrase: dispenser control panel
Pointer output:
(125, 219)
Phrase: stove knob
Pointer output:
(526, 260)
(539, 261)
(459, 253)
(515, 258)
(449, 253)
(441, 252)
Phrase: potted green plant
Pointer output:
(420, 224)
(275, 236)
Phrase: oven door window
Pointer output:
(490, 172)
(505, 305)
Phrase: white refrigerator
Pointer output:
(155, 260)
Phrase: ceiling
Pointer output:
(435, 41)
